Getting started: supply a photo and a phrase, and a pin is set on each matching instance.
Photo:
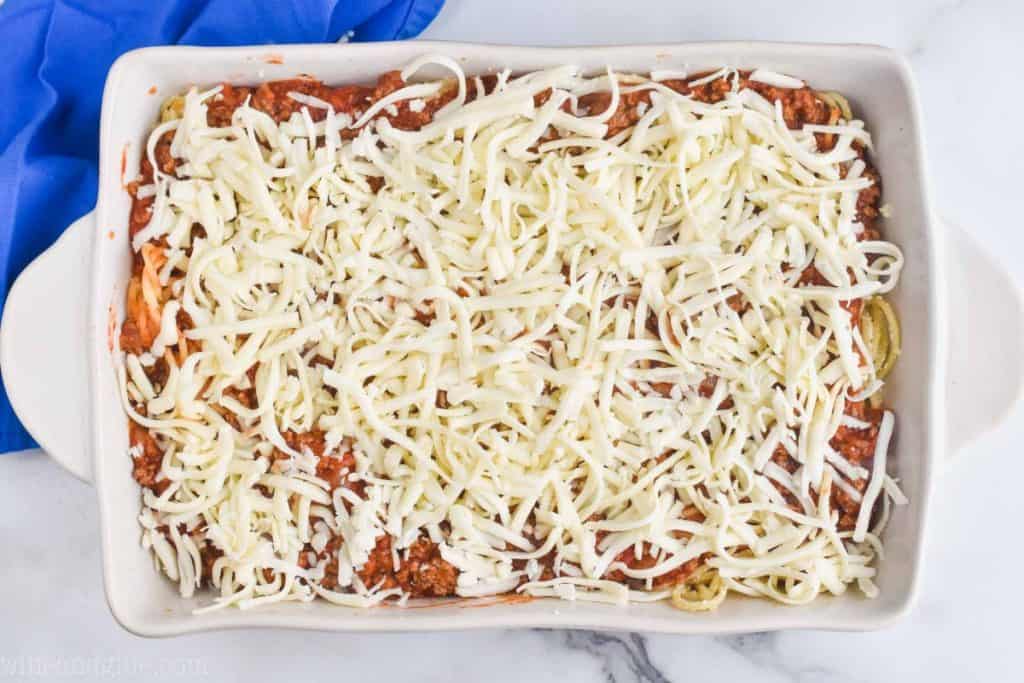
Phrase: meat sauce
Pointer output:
(420, 570)
(857, 446)
(332, 468)
(648, 558)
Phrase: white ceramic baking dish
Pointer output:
(58, 369)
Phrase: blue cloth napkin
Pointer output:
(54, 57)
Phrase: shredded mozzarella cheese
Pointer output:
(514, 336)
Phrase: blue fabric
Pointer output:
(54, 57)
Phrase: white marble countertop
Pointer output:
(965, 624)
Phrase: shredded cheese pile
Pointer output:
(511, 333)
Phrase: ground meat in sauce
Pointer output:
(131, 339)
(330, 467)
(858, 447)
(422, 572)
(811, 276)
(648, 559)
(208, 555)
(330, 553)
(221, 107)
(627, 113)
(855, 445)
(146, 458)
(158, 372)
(868, 205)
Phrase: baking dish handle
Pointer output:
(986, 340)
(45, 318)
(48, 386)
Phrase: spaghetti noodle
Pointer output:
(880, 330)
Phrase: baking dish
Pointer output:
(61, 312)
